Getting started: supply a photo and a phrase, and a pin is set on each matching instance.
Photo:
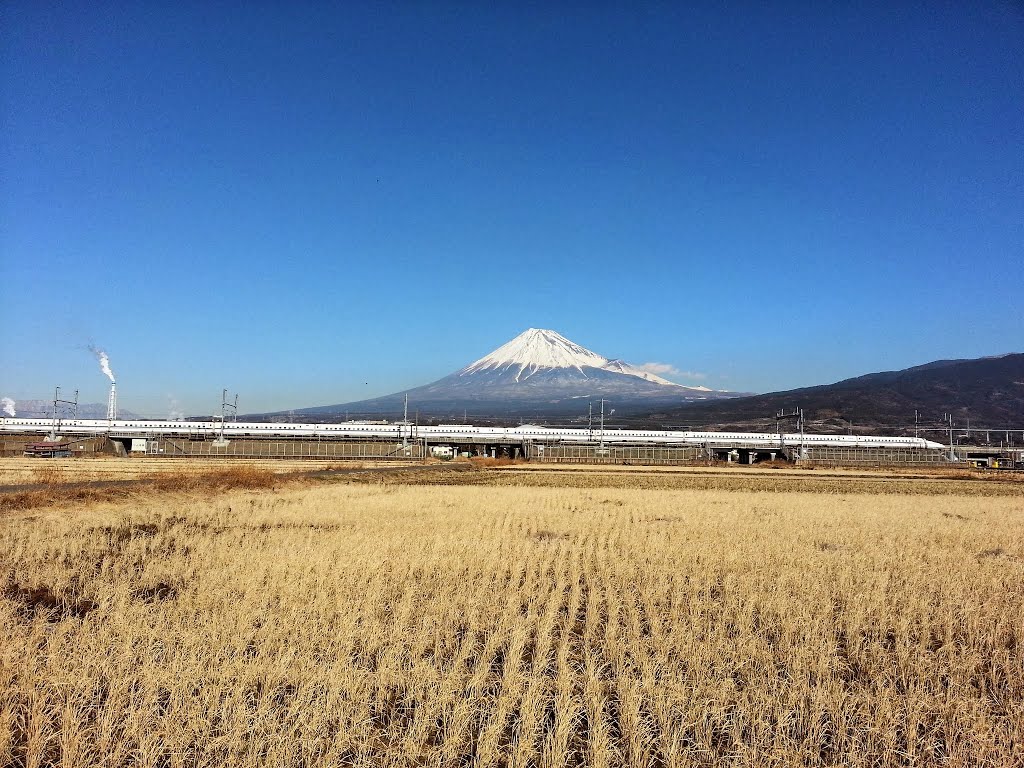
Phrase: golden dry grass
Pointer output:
(940, 471)
(750, 480)
(33, 483)
(384, 625)
(25, 471)
(54, 488)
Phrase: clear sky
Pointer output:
(313, 203)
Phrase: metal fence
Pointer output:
(593, 454)
(824, 456)
(284, 449)
(873, 457)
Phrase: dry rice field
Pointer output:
(18, 471)
(515, 619)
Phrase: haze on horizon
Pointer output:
(328, 203)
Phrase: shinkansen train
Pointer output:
(458, 434)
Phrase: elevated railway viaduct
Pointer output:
(403, 440)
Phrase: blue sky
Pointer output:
(315, 203)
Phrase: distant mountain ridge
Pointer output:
(538, 373)
(988, 391)
(43, 409)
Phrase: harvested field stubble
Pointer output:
(30, 471)
(755, 480)
(59, 491)
(388, 625)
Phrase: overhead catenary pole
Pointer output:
(780, 416)
(57, 403)
(224, 406)
(405, 422)
(803, 447)
(53, 430)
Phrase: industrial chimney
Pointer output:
(112, 402)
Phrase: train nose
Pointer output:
(933, 444)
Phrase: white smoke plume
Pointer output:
(104, 361)
(8, 405)
(174, 412)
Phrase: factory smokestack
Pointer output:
(8, 405)
(112, 402)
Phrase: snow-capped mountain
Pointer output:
(533, 350)
(536, 350)
(539, 371)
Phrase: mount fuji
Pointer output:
(544, 363)
(539, 372)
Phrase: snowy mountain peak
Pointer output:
(535, 349)
(538, 349)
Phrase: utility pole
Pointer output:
(405, 422)
(224, 407)
(223, 411)
(602, 423)
(798, 414)
(57, 402)
(917, 422)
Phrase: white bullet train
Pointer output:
(456, 434)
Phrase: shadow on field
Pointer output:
(42, 600)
